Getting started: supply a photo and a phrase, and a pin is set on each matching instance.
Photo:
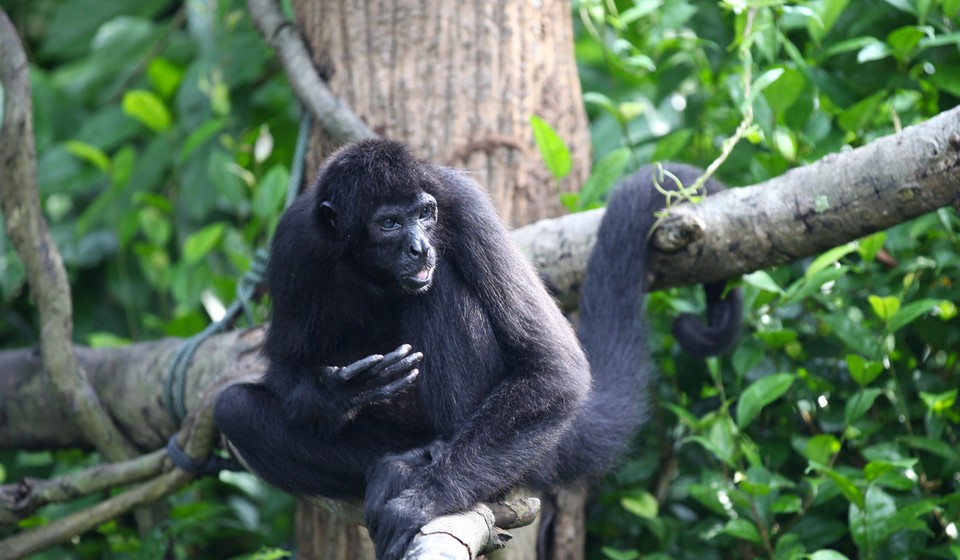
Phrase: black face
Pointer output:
(399, 251)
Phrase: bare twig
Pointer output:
(62, 530)
(22, 499)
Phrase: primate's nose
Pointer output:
(419, 248)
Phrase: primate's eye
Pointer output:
(387, 224)
(426, 213)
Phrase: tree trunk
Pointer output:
(458, 82)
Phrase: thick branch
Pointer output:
(28, 232)
(340, 122)
(838, 199)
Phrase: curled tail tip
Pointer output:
(719, 332)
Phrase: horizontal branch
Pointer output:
(837, 199)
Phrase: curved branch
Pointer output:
(338, 120)
(30, 236)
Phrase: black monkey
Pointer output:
(488, 386)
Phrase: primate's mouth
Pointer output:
(420, 281)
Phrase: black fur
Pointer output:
(502, 392)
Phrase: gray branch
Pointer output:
(330, 112)
(838, 199)
(28, 232)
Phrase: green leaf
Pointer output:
(847, 45)
(905, 40)
(947, 310)
(164, 75)
(804, 287)
(788, 503)
(863, 371)
(106, 340)
(617, 554)
(868, 519)
(202, 242)
(555, 153)
(785, 90)
(271, 192)
(607, 172)
(871, 245)
(604, 102)
(90, 154)
(860, 114)
(147, 108)
(672, 145)
(154, 225)
(943, 38)
(761, 393)
(874, 51)
(931, 445)
(937, 403)
(884, 307)
(907, 6)
(913, 311)
(763, 81)
(859, 404)
(199, 136)
(844, 484)
(821, 447)
(742, 529)
(828, 258)
(763, 281)
(642, 505)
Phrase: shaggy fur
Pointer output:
(503, 394)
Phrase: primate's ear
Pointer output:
(328, 213)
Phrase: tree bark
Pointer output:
(458, 81)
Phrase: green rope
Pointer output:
(175, 387)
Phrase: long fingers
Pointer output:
(364, 364)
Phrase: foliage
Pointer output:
(164, 135)
(831, 430)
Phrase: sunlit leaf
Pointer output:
(147, 108)
(89, 153)
(552, 148)
(827, 258)
(884, 307)
(642, 505)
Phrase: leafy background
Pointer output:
(165, 132)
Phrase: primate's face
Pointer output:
(399, 249)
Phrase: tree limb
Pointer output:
(332, 113)
(29, 234)
(837, 199)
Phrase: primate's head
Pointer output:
(372, 198)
